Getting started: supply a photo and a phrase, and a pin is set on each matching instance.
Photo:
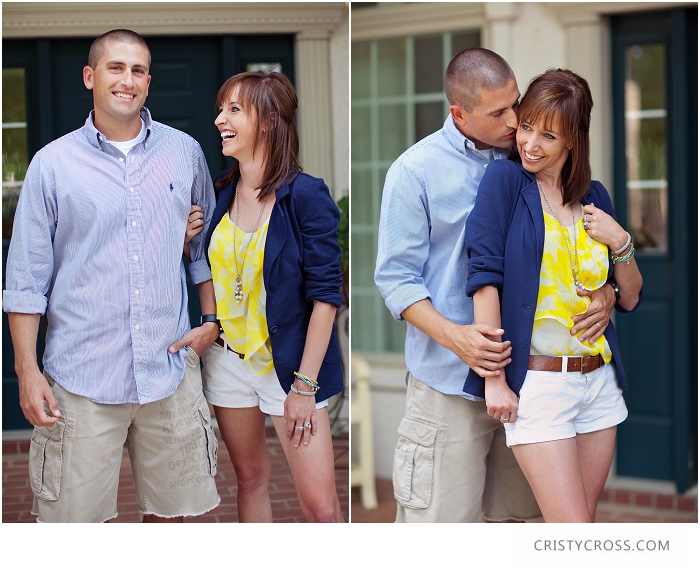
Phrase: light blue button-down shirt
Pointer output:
(97, 246)
(428, 193)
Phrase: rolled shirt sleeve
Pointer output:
(202, 196)
(30, 259)
(404, 240)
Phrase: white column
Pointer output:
(588, 53)
(314, 120)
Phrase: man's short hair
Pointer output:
(128, 36)
(472, 71)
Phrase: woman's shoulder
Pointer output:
(307, 183)
(598, 195)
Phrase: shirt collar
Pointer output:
(95, 137)
(464, 145)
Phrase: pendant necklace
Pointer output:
(239, 272)
(573, 262)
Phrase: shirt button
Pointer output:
(136, 292)
(136, 258)
(136, 326)
(486, 165)
(131, 190)
(133, 224)
(121, 159)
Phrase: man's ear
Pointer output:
(459, 115)
(87, 77)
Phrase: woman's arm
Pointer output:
(602, 227)
(300, 409)
(501, 402)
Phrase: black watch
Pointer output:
(209, 318)
(616, 288)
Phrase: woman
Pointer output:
(541, 236)
(275, 262)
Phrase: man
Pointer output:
(451, 463)
(97, 245)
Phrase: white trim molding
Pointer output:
(409, 19)
(90, 19)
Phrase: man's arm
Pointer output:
(200, 338)
(34, 390)
(593, 322)
(470, 343)
(399, 270)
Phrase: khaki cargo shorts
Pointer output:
(452, 465)
(74, 465)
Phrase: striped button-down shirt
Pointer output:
(428, 194)
(97, 246)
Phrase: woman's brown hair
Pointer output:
(563, 97)
(274, 100)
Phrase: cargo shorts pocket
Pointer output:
(413, 463)
(212, 444)
(46, 460)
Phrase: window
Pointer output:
(397, 98)
(645, 133)
(14, 143)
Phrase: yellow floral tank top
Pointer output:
(557, 300)
(245, 322)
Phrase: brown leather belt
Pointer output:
(220, 341)
(580, 364)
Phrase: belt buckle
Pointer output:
(582, 372)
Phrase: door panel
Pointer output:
(654, 99)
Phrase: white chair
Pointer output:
(362, 471)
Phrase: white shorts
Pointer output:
(227, 383)
(555, 405)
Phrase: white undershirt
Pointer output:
(125, 147)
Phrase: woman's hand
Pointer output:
(300, 415)
(603, 228)
(195, 224)
(501, 402)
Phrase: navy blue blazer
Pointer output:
(504, 243)
(301, 264)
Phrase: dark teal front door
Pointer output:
(186, 73)
(655, 115)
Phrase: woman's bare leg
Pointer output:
(553, 471)
(243, 431)
(595, 453)
(313, 471)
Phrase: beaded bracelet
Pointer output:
(307, 380)
(623, 248)
(295, 390)
(626, 258)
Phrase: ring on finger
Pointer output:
(299, 427)
(505, 418)
(189, 220)
(307, 425)
(598, 324)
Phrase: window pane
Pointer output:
(465, 40)
(14, 143)
(360, 70)
(361, 149)
(392, 131)
(429, 119)
(428, 71)
(645, 132)
(264, 67)
(362, 208)
(392, 67)
(363, 258)
(364, 335)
